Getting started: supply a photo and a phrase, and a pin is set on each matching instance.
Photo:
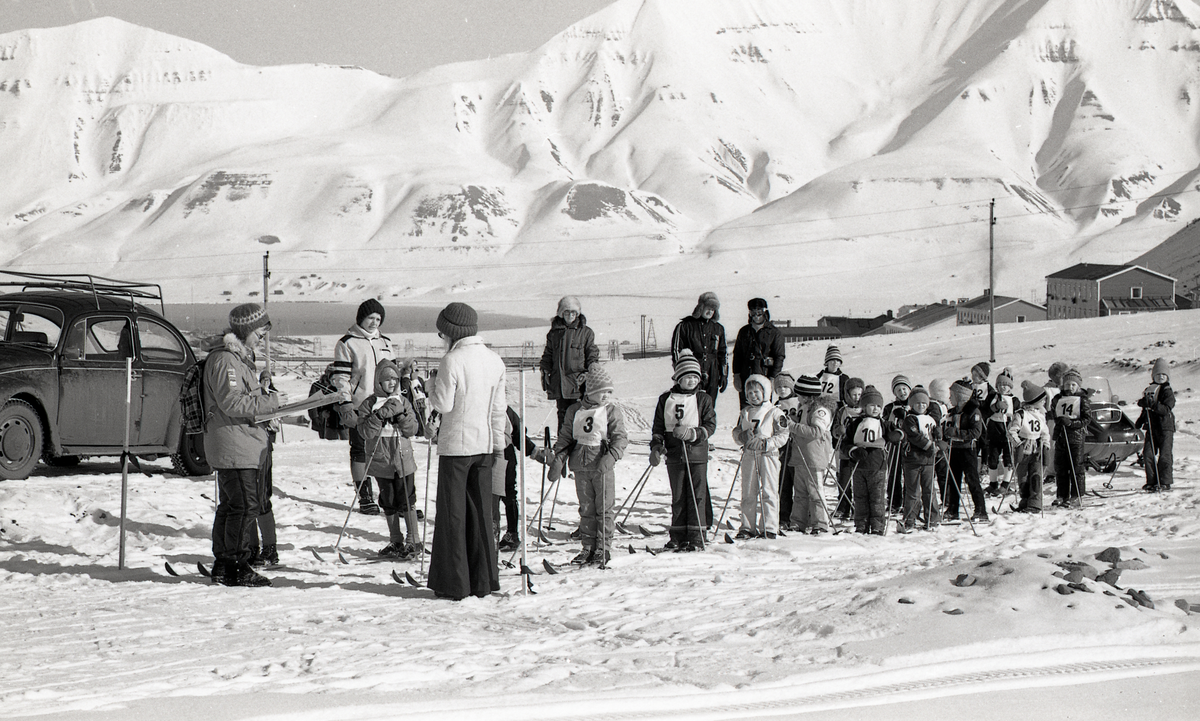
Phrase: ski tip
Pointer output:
(170, 570)
(317, 555)
(412, 581)
(543, 537)
(728, 538)
(342, 559)
(526, 570)
(396, 577)
(651, 551)
(203, 570)
(549, 567)
(729, 525)
(631, 551)
(508, 564)
(645, 531)
(621, 528)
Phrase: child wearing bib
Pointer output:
(1158, 418)
(761, 430)
(999, 412)
(868, 456)
(1072, 416)
(591, 440)
(684, 420)
(921, 434)
(810, 453)
(1029, 434)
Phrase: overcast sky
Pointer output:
(394, 37)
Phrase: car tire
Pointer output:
(21, 436)
(189, 460)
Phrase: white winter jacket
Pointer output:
(469, 392)
(354, 359)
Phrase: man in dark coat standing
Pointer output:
(759, 348)
(704, 336)
(570, 351)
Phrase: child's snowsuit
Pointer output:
(593, 437)
(1072, 416)
(964, 428)
(893, 422)
(843, 417)
(687, 460)
(761, 431)
(810, 455)
(1158, 418)
(921, 434)
(999, 447)
(869, 455)
(386, 422)
(1030, 437)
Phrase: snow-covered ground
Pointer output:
(829, 627)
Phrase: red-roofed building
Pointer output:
(1091, 290)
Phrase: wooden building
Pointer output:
(1091, 290)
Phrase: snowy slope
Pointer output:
(652, 144)
(800, 625)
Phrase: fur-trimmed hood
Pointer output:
(234, 345)
(558, 322)
(767, 386)
(829, 403)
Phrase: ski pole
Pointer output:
(425, 519)
(357, 489)
(636, 488)
(550, 524)
(692, 492)
(542, 493)
(957, 483)
(728, 496)
(762, 508)
(853, 470)
(1074, 475)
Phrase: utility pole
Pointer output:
(992, 279)
(266, 277)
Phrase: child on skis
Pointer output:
(1158, 418)
(787, 401)
(810, 453)
(964, 428)
(893, 418)
(1030, 436)
(868, 438)
(999, 448)
(386, 420)
(921, 434)
(1072, 416)
(590, 442)
(846, 412)
(761, 430)
(684, 420)
(504, 482)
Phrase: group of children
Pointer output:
(909, 456)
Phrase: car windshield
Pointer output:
(30, 325)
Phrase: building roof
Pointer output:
(920, 318)
(1010, 301)
(1099, 271)
(1138, 304)
(815, 332)
(982, 302)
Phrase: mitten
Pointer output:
(655, 456)
(554, 472)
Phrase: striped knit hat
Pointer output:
(247, 318)
(900, 380)
(808, 386)
(832, 353)
(686, 364)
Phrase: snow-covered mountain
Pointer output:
(823, 151)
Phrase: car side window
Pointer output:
(5, 314)
(108, 339)
(31, 325)
(159, 344)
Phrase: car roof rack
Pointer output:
(86, 283)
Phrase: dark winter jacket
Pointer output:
(582, 456)
(964, 426)
(705, 423)
(1158, 409)
(514, 438)
(233, 395)
(706, 340)
(921, 434)
(758, 351)
(867, 452)
(893, 417)
(386, 423)
(1072, 417)
(570, 351)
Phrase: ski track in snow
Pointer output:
(754, 628)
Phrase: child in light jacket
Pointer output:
(810, 455)
(1029, 433)
(761, 430)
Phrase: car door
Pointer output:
(92, 383)
(162, 358)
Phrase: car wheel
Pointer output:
(189, 460)
(20, 440)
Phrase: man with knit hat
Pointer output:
(354, 359)
(964, 428)
(469, 393)
(590, 441)
(702, 334)
(759, 347)
(237, 448)
(1158, 418)
(570, 351)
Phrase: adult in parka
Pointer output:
(570, 351)
(759, 348)
(702, 334)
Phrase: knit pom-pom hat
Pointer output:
(685, 365)
(832, 353)
(247, 318)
